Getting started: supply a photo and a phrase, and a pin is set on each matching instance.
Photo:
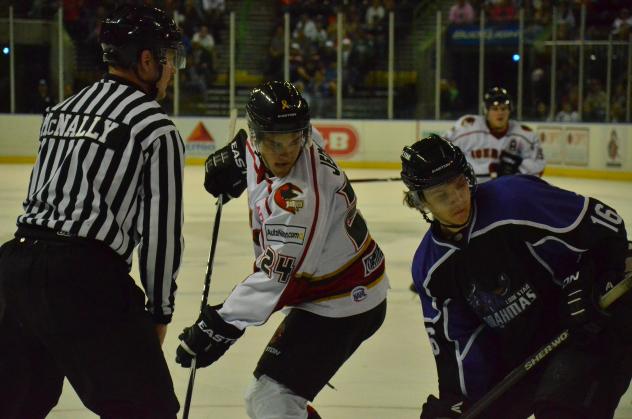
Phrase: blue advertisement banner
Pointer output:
(505, 34)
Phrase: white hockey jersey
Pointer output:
(482, 149)
(313, 249)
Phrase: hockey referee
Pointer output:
(108, 178)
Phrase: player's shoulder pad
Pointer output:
(466, 121)
(526, 200)
(463, 125)
(428, 254)
(317, 137)
(327, 167)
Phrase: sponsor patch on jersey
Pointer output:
(283, 233)
(286, 198)
(372, 261)
(359, 293)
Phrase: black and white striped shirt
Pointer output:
(109, 168)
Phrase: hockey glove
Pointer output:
(449, 406)
(207, 340)
(584, 319)
(508, 163)
(225, 169)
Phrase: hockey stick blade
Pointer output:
(541, 354)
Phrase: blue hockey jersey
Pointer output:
(491, 295)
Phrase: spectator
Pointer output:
(541, 12)
(194, 78)
(204, 62)
(565, 14)
(461, 13)
(204, 39)
(42, 99)
(567, 114)
(275, 55)
(451, 101)
(595, 102)
(305, 27)
(565, 21)
(502, 11)
(321, 33)
(542, 112)
(618, 104)
(622, 24)
(374, 17)
(190, 17)
(72, 21)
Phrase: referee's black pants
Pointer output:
(70, 309)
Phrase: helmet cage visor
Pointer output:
(179, 58)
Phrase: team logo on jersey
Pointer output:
(283, 233)
(359, 293)
(285, 197)
(497, 302)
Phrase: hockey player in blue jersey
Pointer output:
(505, 267)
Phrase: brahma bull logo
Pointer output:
(285, 196)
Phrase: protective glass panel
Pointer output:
(566, 83)
(36, 80)
(536, 61)
(5, 100)
(414, 81)
(619, 104)
(203, 84)
(595, 102)
(459, 78)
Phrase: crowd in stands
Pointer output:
(604, 19)
(313, 49)
(313, 59)
(202, 22)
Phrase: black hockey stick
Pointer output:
(519, 372)
(207, 285)
(375, 179)
(209, 270)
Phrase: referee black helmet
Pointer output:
(132, 29)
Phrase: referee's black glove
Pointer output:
(207, 340)
(225, 169)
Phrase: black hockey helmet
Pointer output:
(497, 96)
(132, 29)
(277, 107)
(432, 161)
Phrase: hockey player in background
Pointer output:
(504, 268)
(314, 257)
(494, 144)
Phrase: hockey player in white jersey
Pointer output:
(314, 257)
(494, 144)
